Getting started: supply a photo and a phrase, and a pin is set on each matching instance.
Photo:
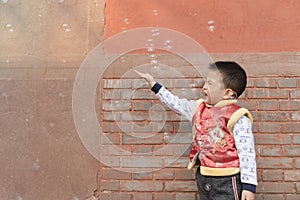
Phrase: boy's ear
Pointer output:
(230, 94)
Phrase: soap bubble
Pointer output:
(9, 27)
(211, 25)
(66, 27)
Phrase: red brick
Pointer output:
(269, 127)
(141, 196)
(295, 94)
(289, 105)
(270, 151)
(182, 150)
(111, 161)
(250, 82)
(110, 185)
(292, 196)
(295, 116)
(176, 162)
(164, 174)
(296, 139)
(143, 176)
(114, 195)
(113, 138)
(168, 83)
(163, 150)
(271, 116)
(142, 162)
(186, 196)
(266, 83)
(274, 163)
(277, 187)
(297, 163)
(268, 105)
(184, 174)
(259, 196)
(111, 94)
(142, 150)
(291, 150)
(187, 186)
(272, 175)
(292, 175)
(188, 93)
(164, 195)
(142, 94)
(290, 127)
(115, 150)
(116, 83)
(267, 93)
(168, 127)
(249, 104)
(141, 186)
(182, 83)
(298, 187)
(141, 105)
(287, 83)
(273, 197)
(110, 116)
(114, 174)
(157, 115)
(272, 139)
(183, 127)
(179, 138)
(116, 105)
(139, 127)
(142, 138)
(126, 94)
(140, 83)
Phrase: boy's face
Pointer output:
(214, 89)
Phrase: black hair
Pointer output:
(234, 76)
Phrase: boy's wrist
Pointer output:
(156, 87)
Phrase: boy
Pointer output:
(223, 142)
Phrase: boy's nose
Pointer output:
(204, 86)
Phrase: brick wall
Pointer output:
(136, 129)
(42, 155)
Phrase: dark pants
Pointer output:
(219, 187)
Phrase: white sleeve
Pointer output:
(184, 107)
(244, 141)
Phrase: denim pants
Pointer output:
(219, 187)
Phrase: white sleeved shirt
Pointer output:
(242, 133)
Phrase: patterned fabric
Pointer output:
(218, 153)
(244, 142)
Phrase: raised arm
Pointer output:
(184, 107)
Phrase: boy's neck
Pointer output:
(222, 103)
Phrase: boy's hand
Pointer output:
(147, 77)
(247, 195)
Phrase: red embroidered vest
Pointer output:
(213, 139)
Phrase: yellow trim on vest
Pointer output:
(207, 171)
(236, 116)
(194, 161)
(225, 103)
(198, 102)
